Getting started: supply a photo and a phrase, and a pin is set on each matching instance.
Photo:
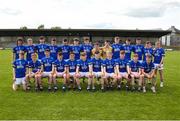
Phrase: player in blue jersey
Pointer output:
(76, 48)
(83, 71)
(128, 49)
(109, 72)
(59, 70)
(117, 47)
(147, 50)
(65, 48)
(121, 66)
(19, 71)
(139, 49)
(159, 55)
(54, 48)
(87, 47)
(46, 67)
(30, 48)
(19, 47)
(71, 70)
(134, 69)
(34, 71)
(148, 70)
(96, 67)
(40, 48)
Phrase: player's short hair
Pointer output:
(107, 41)
(148, 42)
(41, 37)
(86, 38)
(138, 39)
(65, 40)
(135, 55)
(47, 49)
(34, 53)
(21, 53)
(53, 39)
(72, 53)
(128, 40)
(122, 52)
(83, 53)
(19, 39)
(60, 53)
(148, 55)
(29, 39)
(76, 39)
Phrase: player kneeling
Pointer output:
(109, 75)
(148, 70)
(59, 70)
(134, 69)
(121, 66)
(34, 71)
(19, 72)
(82, 71)
(46, 67)
(71, 70)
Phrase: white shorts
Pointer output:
(19, 81)
(97, 74)
(59, 74)
(83, 74)
(109, 75)
(46, 74)
(135, 74)
(72, 74)
(124, 74)
(157, 66)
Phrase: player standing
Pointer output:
(159, 55)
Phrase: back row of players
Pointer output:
(110, 64)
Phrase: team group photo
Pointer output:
(89, 60)
(108, 64)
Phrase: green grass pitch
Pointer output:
(165, 104)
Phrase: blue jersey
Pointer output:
(40, 48)
(76, 49)
(135, 66)
(29, 49)
(35, 66)
(83, 65)
(53, 51)
(109, 65)
(60, 65)
(148, 67)
(65, 51)
(87, 48)
(139, 49)
(147, 51)
(128, 49)
(20, 66)
(116, 50)
(47, 64)
(122, 64)
(96, 63)
(158, 54)
(17, 49)
(72, 65)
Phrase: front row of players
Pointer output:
(109, 72)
